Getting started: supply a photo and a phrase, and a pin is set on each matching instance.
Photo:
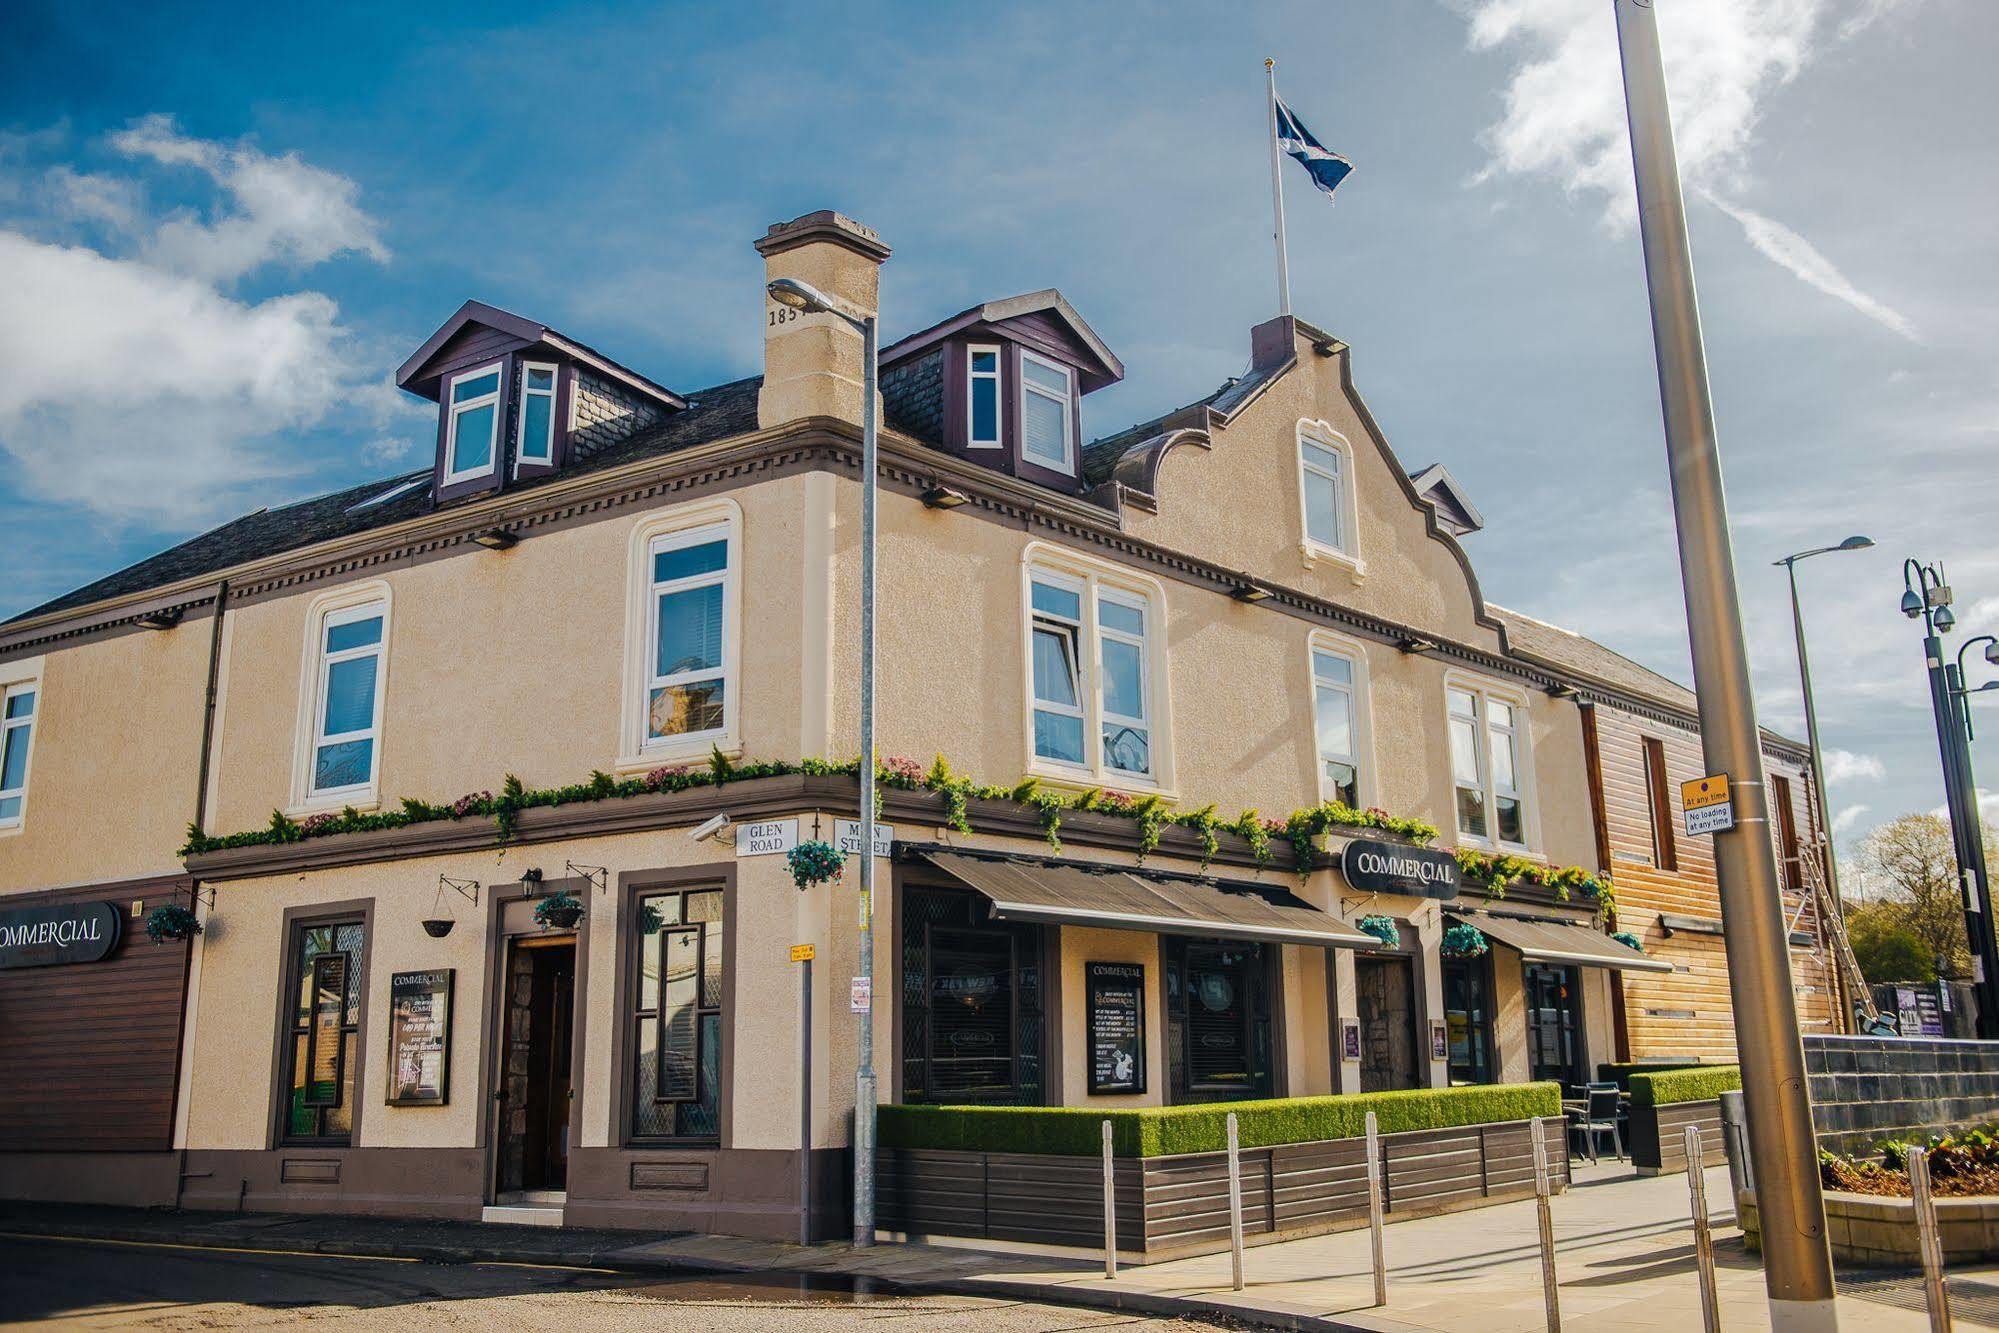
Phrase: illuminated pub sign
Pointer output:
(1396, 867)
(46, 936)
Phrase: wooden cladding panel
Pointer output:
(91, 1049)
(1688, 1012)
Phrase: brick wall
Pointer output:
(605, 414)
(1869, 1088)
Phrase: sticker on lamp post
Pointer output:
(1707, 806)
(860, 997)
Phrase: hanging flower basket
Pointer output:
(814, 862)
(1382, 928)
(1629, 941)
(170, 922)
(558, 911)
(437, 927)
(1464, 941)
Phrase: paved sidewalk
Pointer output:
(1624, 1258)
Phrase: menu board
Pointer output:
(420, 1038)
(326, 1045)
(1921, 1014)
(1117, 1026)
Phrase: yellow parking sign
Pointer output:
(1707, 805)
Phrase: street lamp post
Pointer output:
(1926, 597)
(800, 296)
(1790, 564)
(1783, 1151)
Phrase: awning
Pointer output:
(1065, 893)
(1561, 942)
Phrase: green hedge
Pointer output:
(1621, 1073)
(1684, 1085)
(1162, 1131)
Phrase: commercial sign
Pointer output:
(1707, 806)
(1116, 1014)
(420, 1038)
(46, 936)
(767, 837)
(847, 837)
(1393, 867)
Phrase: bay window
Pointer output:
(1488, 765)
(1047, 414)
(472, 425)
(1093, 696)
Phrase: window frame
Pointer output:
(1077, 634)
(998, 377)
(1091, 581)
(1360, 705)
(1346, 505)
(12, 690)
(636, 889)
(297, 922)
(692, 525)
(1068, 400)
(1659, 799)
(554, 394)
(1484, 692)
(339, 607)
(453, 409)
(1142, 641)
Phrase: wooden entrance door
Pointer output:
(1385, 1002)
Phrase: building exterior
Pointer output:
(454, 745)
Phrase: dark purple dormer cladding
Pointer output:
(531, 374)
(928, 380)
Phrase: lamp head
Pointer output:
(1912, 605)
(1944, 620)
(798, 295)
(1856, 543)
(1992, 652)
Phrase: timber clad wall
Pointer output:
(1688, 1012)
(91, 1049)
(1180, 1205)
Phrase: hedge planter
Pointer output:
(1664, 1103)
(945, 1171)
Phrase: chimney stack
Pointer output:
(812, 362)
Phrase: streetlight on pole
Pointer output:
(1790, 564)
(803, 297)
(1926, 597)
(1783, 1151)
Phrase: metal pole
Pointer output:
(864, 1072)
(1235, 1207)
(805, 1105)
(1374, 1210)
(1551, 1295)
(1277, 198)
(1973, 880)
(1110, 1208)
(1929, 1242)
(1798, 1261)
(1703, 1236)
(1812, 739)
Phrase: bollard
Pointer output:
(1110, 1208)
(1703, 1237)
(1549, 1295)
(1235, 1206)
(1374, 1209)
(1929, 1241)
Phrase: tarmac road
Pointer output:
(98, 1284)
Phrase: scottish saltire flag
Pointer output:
(1327, 167)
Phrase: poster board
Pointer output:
(1116, 1015)
(420, 1038)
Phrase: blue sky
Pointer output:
(224, 227)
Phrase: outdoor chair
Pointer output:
(1596, 1117)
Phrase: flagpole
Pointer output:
(1277, 199)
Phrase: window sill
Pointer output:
(1491, 848)
(1312, 554)
(366, 802)
(1067, 779)
(696, 752)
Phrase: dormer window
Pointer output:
(982, 397)
(473, 438)
(537, 414)
(1047, 415)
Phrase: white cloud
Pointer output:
(1563, 117)
(1845, 766)
(284, 208)
(1848, 816)
(133, 385)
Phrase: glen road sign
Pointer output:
(1707, 806)
(802, 953)
(767, 837)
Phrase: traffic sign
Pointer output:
(1707, 805)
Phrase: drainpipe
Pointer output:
(200, 823)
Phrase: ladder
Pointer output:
(1832, 924)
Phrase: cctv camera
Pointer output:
(710, 828)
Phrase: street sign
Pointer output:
(847, 837)
(860, 997)
(767, 837)
(1707, 806)
(803, 953)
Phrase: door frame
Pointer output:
(1418, 1028)
(1483, 966)
(498, 943)
(1409, 944)
(1579, 1070)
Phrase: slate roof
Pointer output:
(1100, 456)
(717, 413)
